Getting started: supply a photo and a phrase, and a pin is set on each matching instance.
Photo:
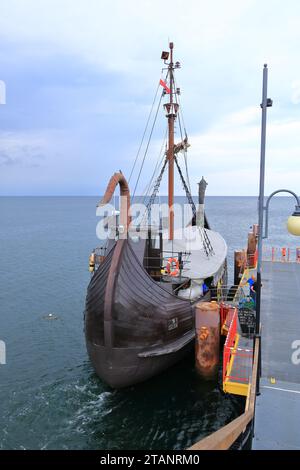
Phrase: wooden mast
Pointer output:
(171, 119)
(171, 112)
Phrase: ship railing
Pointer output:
(219, 293)
(100, 253)
(181, 256)
(225, 293)
(232, 294)
(163, 259)
(281, 254)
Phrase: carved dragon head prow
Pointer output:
(119, 179)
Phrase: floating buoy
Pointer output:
(207, 347)
(50, 316)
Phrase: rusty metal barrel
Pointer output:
(207, 344)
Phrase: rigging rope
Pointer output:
(186, 170)
(142, 141)
(155, 190)
(157, 165)
(181, 135)
(205, 239)
(147, 146)
(144, 133)
(187, 187)
(180, 109)
(188, 194)
(184, 152)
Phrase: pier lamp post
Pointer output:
(266, 102)
(293, 223)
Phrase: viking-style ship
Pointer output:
(147, 278)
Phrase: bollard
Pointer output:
(255, 230)
(251, 249)
(207, 344)
(240, 259)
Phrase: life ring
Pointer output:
(173, 267)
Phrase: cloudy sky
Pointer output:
(81, 75)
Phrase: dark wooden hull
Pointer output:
(129, 321)
(123, 368)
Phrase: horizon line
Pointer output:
(95, 195)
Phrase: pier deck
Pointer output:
(278, 405)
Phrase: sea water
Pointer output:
(50, 397)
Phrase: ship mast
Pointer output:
(171, 120)
(171, 112)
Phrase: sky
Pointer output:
(80, 78)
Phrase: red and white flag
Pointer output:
(163, 84)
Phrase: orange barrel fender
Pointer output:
(207, 344)
(173, 267)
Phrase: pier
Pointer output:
(278, 405)
(271, 417)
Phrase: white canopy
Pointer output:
(190, 240)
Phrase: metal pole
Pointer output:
(171, 119)
(264, 105)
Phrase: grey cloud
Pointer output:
(23, 156)
(6, 160)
